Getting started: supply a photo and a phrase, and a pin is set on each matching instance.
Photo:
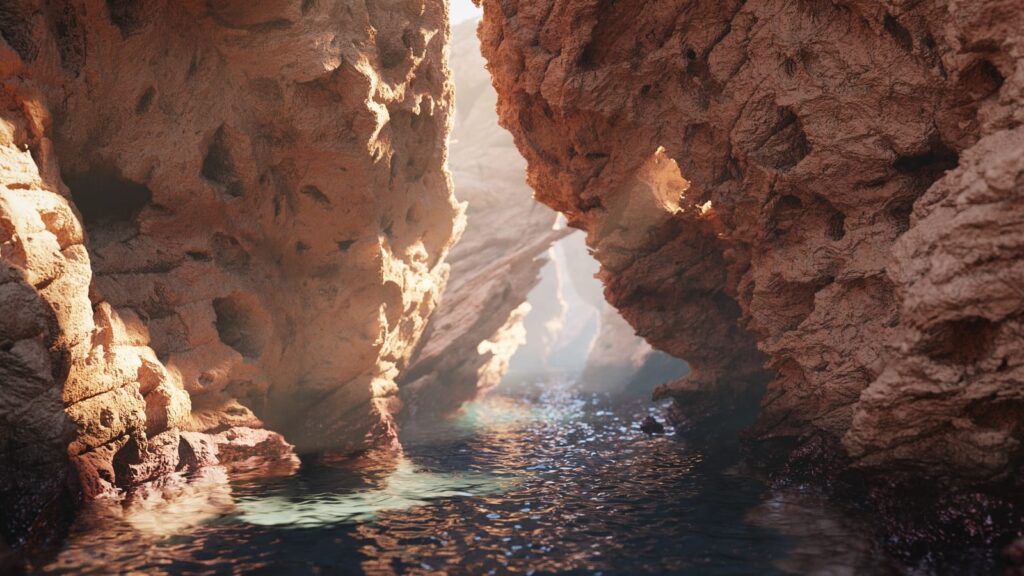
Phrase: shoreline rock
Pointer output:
(817, 202)
(212, 216)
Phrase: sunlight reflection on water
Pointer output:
(403, 488)
(540, 479)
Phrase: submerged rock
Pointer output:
(650, 425)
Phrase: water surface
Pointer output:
(542, 481)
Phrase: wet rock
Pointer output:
(138, 462)
(650, 425)
(241, 450)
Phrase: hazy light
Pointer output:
(462, 10)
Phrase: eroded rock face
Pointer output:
(213, 215)
(620, 362)
(825, 195)
(478, 325)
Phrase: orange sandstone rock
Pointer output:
(824, 195)
(213, 215)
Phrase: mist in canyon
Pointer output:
(511, 287)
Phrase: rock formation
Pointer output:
(620, 362)
(824, 195)
(572, 334)
(556, 318)
(212, 215)
(478, 325)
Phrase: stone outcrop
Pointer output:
(214, 217)
(621, 362)
(822, 195)
(478, 325)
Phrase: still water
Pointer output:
(544, 480)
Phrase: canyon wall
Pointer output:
(824, 196)
(497, 262)
(216, 219)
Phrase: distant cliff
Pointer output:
(478, 325)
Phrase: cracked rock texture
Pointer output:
(826, 196)
(478, 325)
(213, 215)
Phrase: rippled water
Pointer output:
(551, 482)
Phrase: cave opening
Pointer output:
(553, 323)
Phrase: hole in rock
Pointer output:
(412, 215)
(963, 342)
(981, 80)
(418, 136)
(145, 101)
(785, 145)
(898, 32)
(789, 67)
(69, 34)
(611, 41)
(131, 454)
(126, 15)
(836, 227)
(241, 324)
(16, 28)
(785, 214)
(930, 165)
(1006, 416)
(219, 167)
(110, 203)
(900, 210)
(229, 253)
(393, 50)
(923, 170)
(316, 195)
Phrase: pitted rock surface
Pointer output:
(822, 195)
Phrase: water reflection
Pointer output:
(541, 480)
(404, 487)
(815, 525)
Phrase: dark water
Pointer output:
(552, 482)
